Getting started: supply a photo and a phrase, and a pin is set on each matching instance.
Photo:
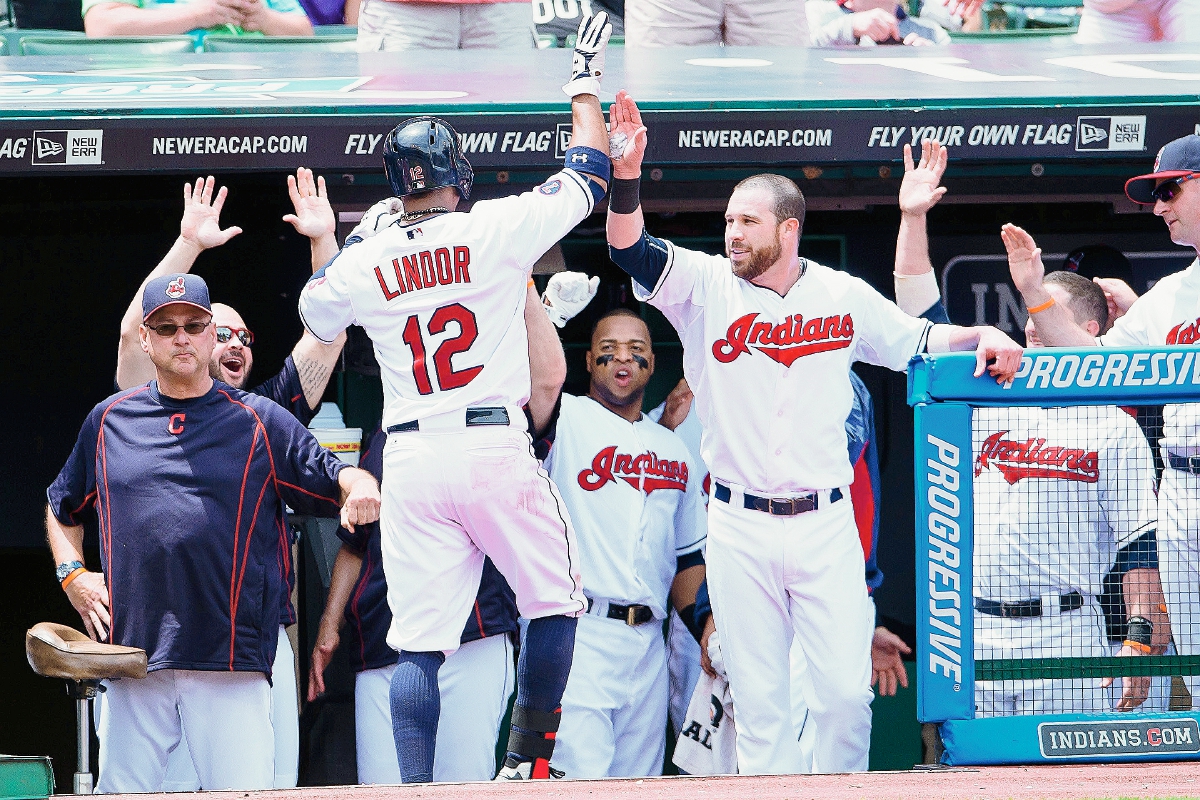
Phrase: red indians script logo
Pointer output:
(647, 472)
(175, 288)
(1184, 333)
(787, 341)
(1033, 459)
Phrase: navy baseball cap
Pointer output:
(181, 288)
(1176, 159)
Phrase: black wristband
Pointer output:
(624, 195)
(1140, 630)
(688, 615)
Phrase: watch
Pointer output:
(63, 570)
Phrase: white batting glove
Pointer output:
(567, 294)
(715, 656)
(377, 218)
(588, 64)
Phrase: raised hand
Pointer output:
(1024, 259)
(626, 137)
(201, 221)
(587, 65)
(376, 218)
(921, 188)
(963, 8)
(567, 294)
(1119, 296)
(314, 215)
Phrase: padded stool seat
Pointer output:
(59, 651)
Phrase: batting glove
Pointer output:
(567, 294)
(715, 656)
(376, 219)
(588, 64)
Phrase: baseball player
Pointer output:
(768, 341)
(1063, 496)
(188, 478)
(1166, 315)
(442, 297)
(298, 387)
(635, 497)
(477, 679)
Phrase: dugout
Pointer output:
(93, 152)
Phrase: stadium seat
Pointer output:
(12, 36)
(265, 44)
(109, 45)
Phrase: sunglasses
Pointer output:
(1168, 190)
(225, 333)
(169, 329)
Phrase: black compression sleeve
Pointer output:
(644, 261)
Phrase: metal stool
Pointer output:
(58, 651)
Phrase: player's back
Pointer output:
(443, 299)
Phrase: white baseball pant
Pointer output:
(687, 23)
(1141, 21)
(614, 709)
(771, 579)
(450, 498)
(384, 25)
(1074, 634)
(285, 722)
(1179, 562)
(225, 717)
(475, 684)
(683, 669)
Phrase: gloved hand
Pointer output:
(376, 219)
(567, 294)
(588, 64)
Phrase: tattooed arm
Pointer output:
(314, 362)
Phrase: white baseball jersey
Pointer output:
(443, 299)
(634, 494)
(771, 373)
(1168, 314)
(1057, 492)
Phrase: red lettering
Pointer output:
(729, 348)
(782, 333)
(760, 333)
(847, 327)
(832, 328)
(445, 273)
(601, 472)
(428, 272)
(388, 294)
(412, 274)
(812, 330)
(1153, 737)
(462, 260)
(175, 425)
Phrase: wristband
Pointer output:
(688, 615)
(67, 580)
(1140, 631)
(1041, 306)
(1138, 646)
(624, 196)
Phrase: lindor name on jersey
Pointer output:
(1033, 459)
(647, 471)
(787, 341)
(425, 269)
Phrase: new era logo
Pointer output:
(68, 147)
(562, 140)
(1111, 133)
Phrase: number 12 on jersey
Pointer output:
(447, 376)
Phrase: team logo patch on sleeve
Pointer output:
(175, 288)
(1033, 459)
(791, 339)
(550, 187)
(646, 472)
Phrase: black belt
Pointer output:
(1190, 464)
(780, 508)
(1027, 608)
(483, 415)
(630, 615)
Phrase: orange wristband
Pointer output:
(1041, 306)
(1141, 648)
(1162, 607)
(67, 580)
(531, 283)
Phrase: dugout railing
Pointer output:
(946, 397)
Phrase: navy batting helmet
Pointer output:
(422, 154)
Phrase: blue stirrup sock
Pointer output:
(542, 674)
(416, 707)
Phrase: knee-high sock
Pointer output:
(416, 707)
(545, 664)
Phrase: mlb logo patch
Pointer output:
(175, 288)
(551, 187)
(415, 233)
